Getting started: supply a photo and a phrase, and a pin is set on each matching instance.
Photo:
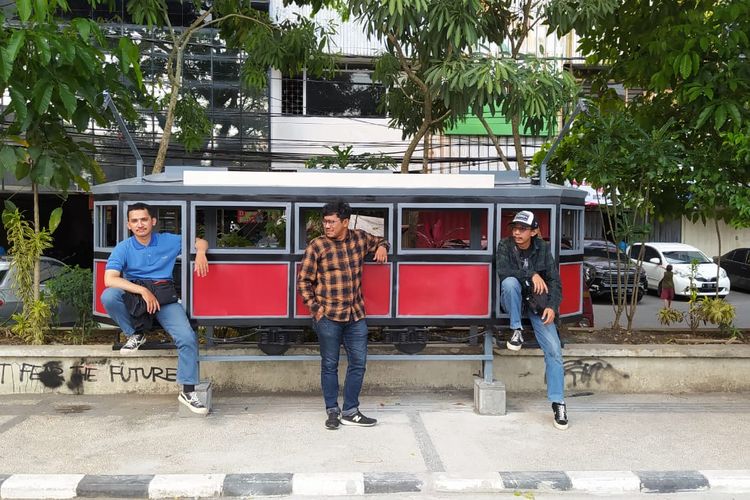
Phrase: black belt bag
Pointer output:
(164, 290)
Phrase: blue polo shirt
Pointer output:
(152, 262)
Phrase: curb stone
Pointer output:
(357, 483)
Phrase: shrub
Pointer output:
(74, 286)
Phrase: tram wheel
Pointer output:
(273, 349)
(410, 347)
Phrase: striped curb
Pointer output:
(358, 483)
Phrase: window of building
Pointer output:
(349, 92)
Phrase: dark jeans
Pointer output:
(331, 334)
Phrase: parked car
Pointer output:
(11, 304)
(737, 265)
(657, 256)
(600, 269)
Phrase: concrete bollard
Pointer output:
(489, 397)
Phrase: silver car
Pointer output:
(11, 304)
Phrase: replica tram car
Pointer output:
(440, 273)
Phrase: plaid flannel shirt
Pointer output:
(331, 274)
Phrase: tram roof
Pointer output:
(182, 181)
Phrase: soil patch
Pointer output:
(108, 336)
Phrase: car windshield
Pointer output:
(686, 257)
(3, 272)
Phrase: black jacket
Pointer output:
(541, 261)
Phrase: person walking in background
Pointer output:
(330, 283)
(666, 286)
(530, 285)
(138, 269)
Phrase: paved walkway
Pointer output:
(135, 445)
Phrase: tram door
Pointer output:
(110, 227)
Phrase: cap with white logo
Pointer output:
(526, 218)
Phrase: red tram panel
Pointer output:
(242, 289)
(434, 290)
(99, 287)
(376, 291)
(571, 282)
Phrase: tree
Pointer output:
(288, 46)
(638, 167)
(445, 59)
(691, 59)
(54, 74)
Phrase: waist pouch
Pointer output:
(164, 290)
(535, 302)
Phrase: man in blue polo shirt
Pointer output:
(150, 256)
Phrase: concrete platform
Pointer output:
(424, 443)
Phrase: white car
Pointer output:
(657, 256)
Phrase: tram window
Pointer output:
(107, 220)
(169, 219)
(570, 230)
(247, 227)
(542, 215)
(444, 229)
(373, 220)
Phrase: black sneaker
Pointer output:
(516, 341)
(332, 422)
(132, 344)
(561, 415)
(190, 399)
(358, 419)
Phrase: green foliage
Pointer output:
(26, 246)
(192, 122)
(344, 159)
(54, 74)
(717, 311)
(691, 59)
(669, 316)
(437, 67)
(232, 239)
(291, 46)
(32, 324)
(74, 287)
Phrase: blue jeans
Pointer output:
(331, 334)
(546, 336)
(173, 319)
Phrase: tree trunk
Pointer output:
(427, 107)
(176, 85)
(37, 271)
(516, 125)
(494, 140)
(718, 259)
(426, 153)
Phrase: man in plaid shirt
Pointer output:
(330, 283)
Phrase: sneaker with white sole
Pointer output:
(333, 420)
(190, 399)
(516, 341)
(358, 419)
(561, 415)
(132, 344)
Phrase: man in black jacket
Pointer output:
(530, 284)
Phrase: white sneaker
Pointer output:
(190, 399)
(516, 341)
(132, 344)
